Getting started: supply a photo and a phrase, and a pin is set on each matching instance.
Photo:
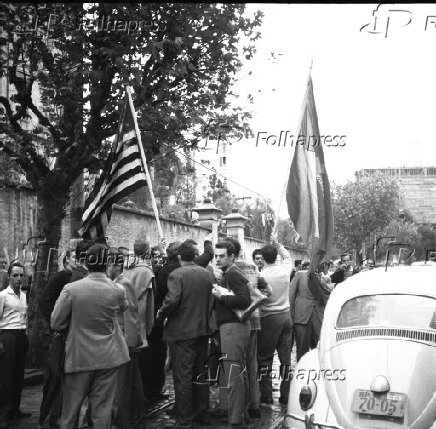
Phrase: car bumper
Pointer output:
(309, 422)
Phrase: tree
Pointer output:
(287, 234)
(363, 208)
(181, 62)
(255, 212)
(404, 232)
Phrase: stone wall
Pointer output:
(250, 244)
(18, 212)
(127, 225)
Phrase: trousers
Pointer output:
(129, 400)
(191, 384)
(253, 383)
(233, 381)
(12, 364)
(52, 388)
(275, 334)
(152, 363)
(100, 386)
(307, 336)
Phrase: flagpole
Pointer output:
(144, 164)
(291, 158)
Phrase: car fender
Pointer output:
(308, 371)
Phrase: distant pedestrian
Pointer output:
(258, 259)
(4, 277)
(14, 345)
(345, 270)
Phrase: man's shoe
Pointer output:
(54, 422)
(283, 400)
(18, 414)
(203, 419)
(254, 413)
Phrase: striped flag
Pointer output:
(308, 190)
(122, 175)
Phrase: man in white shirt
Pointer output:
(14, 345)
(276, 322)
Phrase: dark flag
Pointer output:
(122, 175)
(308, 190)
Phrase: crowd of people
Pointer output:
(113, 317)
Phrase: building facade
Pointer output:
(417, 187)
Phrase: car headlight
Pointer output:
(308, 395)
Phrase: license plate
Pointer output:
(379, 404)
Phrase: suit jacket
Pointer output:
(89, 308)
(172, 264)
(142, 277)
(188, 303)
(129, 319)
(339, 275)
(301, 300)
(51, 292)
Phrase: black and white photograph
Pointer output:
(217, 215)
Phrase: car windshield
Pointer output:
(408, 311)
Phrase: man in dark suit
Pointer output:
(344, 271)
(155, 338)
(187, 306)
(95, 347)
(307, 312)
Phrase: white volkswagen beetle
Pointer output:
(375, 365)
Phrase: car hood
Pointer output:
(409, 366)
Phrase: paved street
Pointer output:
(157, 418)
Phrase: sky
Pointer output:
(375, 86)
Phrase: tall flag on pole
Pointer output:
(308, 189)
(122, 175)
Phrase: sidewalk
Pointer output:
(157, 419)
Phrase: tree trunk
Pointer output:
(47, 260)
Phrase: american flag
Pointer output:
(122, 175)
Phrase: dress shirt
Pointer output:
(13, 310)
